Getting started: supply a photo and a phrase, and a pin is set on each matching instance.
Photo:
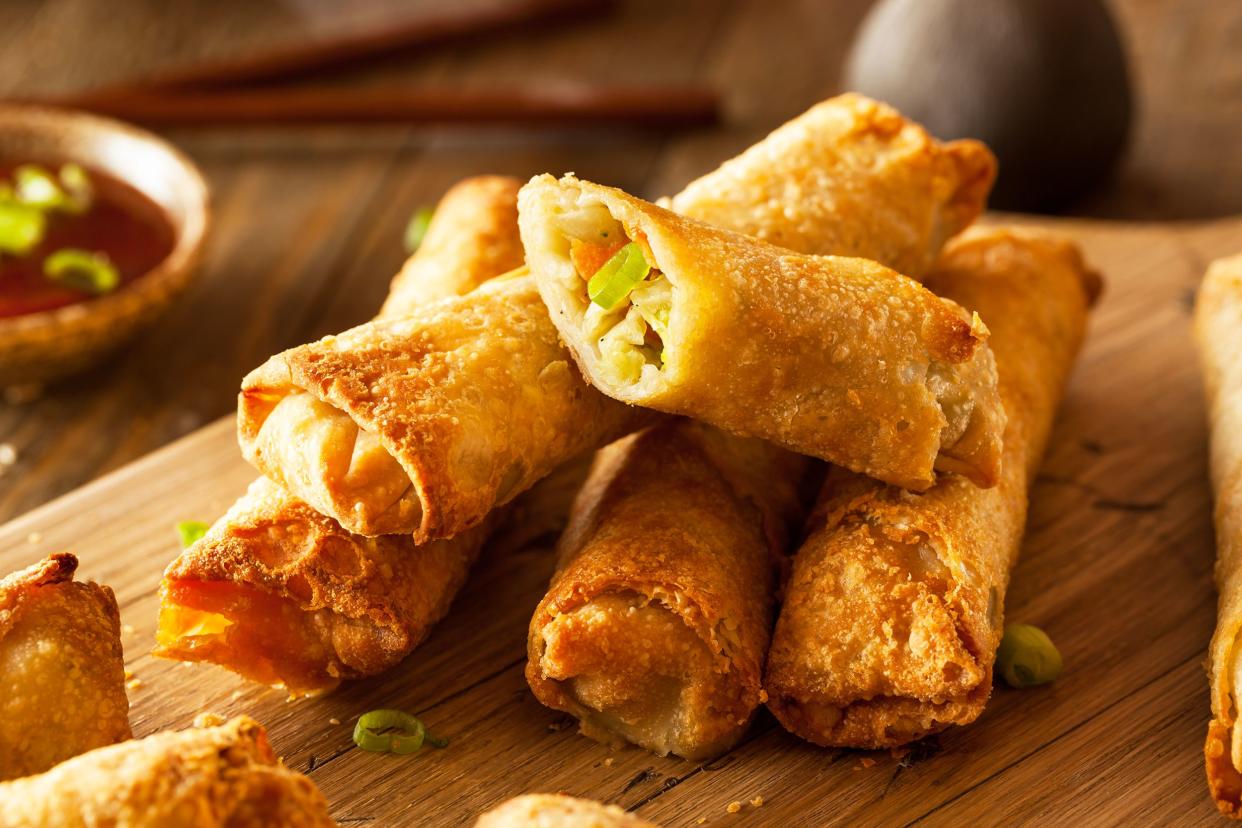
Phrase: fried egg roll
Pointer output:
(1218, 330)
(62, 675)
(214, 777)
(893, 611)
(423, 425)
(850, 176)
(655, 625)
(558, 811)
(833, 357)
(283, 595)
(472, 237)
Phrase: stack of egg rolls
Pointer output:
(222, 776)
(893, 611)
(60, 640)
(282, 594)
(423, 425)
(1218, 323)
(832, 357)
(657, 620)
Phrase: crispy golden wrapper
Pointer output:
(893, 612)
(281, 594)
(213, 777)
(655, 625)
(425, 424)
(62, 674)
(558, 811)
(850, 176)
(837, 358)
(284, 595)
(471, 238)
(1218, 330)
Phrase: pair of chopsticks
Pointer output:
(243, 92)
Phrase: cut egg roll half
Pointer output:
(1218, 330)
(832, 357)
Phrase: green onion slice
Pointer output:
(36, 187)
(190, 531)
(1027, 657)
(78, 190)
(416, 230)
(82, 270)
(618, 276)
(392, 731)
(21, 227)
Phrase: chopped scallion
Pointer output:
(618, 276)
(190, 531)
(416, 230)
(77, 189)
(82, 270)
(21, 227)
(392, 731)
(36, 187)
(1027, 657)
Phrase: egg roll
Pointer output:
(850, 176)
(224, 776)
(471, 238)
(655, 624)
(837, 358)
(284, 595)
(558, 811)
(423, 425)
(62, 674)
(1218, 331)
(893, 611)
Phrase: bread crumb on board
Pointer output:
(334, 721)
(734, 806)
(757, 802)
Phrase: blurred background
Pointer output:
(1122, 110)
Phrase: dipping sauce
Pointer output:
(121, 224)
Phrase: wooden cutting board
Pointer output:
(1117, 568)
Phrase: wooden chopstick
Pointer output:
(548, 105)
(335, 53)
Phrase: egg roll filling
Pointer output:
(636, 670)
(325, 451)
(264, 637)
(625, 298)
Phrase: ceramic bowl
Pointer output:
(39, 347)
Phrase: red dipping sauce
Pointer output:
(130, 229)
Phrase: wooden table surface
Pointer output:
(309, 221)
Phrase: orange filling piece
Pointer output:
(263, 637)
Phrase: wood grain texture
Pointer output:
(1116, 567)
